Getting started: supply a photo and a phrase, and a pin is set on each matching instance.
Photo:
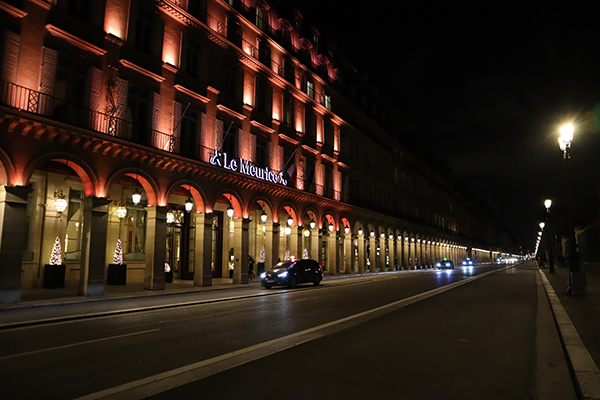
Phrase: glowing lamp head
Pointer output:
(382, 235)
(306, 233)
(360, 231)
(60, 202)
(542, 225)
(189, 204)
(372, 233)
(263, 217)
(548, 204)
(136, 196)
(312, 224)
(170, 217)
(230, 212)
(290, 221)
(566, 133)
(288, 231)
(121, 211)
(347, 230)
(331, 227)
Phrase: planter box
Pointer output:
(117, 274)
(169, 277)
(260, 268)
(54, 276)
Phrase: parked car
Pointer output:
(290, 273)
(445, 263)
(468, 262)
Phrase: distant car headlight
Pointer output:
(438, 265)
(263, 275)
(282, 274)
(464, 263)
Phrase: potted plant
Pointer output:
(260, 267)
(117, 271)
(54, 273)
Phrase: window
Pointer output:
(310, 89)
(70, 90)
(230, 79)
(192, 61)
(262, 156)
(137, 113)
(261, 19)
(261, 95)
(197, 8)
(80, 9)
(143, 31)
(135, 231)
(287, 109)
(327, 102)
(230, 143)
(73, 236)
(189, 134)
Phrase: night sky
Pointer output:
(484, 87)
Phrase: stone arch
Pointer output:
(7, 171)
(265, 204)
(234, 200)
(144, 179)
(345, 222)
(330, 219)
(312, 215)
(82, 169)
(290, 210)
(196, 193)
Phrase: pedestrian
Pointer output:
(250, 267)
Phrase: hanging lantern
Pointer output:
(136, 196)
(312, 224)
(382, 235)
(189, 204)
(230, 212)
(290, 220)
(347, 230)
(60, 203)
(306, 233)
(372, 233)
(331, 227)
(170, 217)
(121, 210)
(263, 217)
(360, 231)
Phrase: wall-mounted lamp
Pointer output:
(60, 202)
(360, 231)
(170, 217)
(347, 230)
(372, 233)
(306, 233)
(121, 210)
(290, 221)
(331, 227)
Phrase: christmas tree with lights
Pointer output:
(287, 255)
(305, 254)
(118, 257)
(56, 257)
(262, 257)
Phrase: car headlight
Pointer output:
(438, 265)
(263, 275)
(464, 263)
(283, 274)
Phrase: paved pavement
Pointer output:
(577, 318)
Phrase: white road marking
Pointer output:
(155, 384)
(75, 344)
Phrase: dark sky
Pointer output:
(484, 86)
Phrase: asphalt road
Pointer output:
(474, 341)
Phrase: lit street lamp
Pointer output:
(576, 285)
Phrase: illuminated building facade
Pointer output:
(224, 106)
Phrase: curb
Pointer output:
(586, 374)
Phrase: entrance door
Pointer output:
(217, 245)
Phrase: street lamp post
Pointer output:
(576, 285)
(549, 235)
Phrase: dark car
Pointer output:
(445, 264)
(290, 273)
(468, 262)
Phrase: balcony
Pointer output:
(34, 102)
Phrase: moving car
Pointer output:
(468, 262)
(445, 263)
(292, 272)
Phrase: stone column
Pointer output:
(348, 254)
(399, 252)
(382, 243)
(361, 254)
(314, 245)
(373, 254)
(156, 252)
(332, 253)
(405, 255)
(271, 244)
(203, 244)
(392, 254)
(13, 234)
(93, 250)
(296, 241)
(241, 246)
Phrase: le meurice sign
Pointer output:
(247, 168)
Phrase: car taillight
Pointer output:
(320, 267)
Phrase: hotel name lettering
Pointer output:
(247, 168)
